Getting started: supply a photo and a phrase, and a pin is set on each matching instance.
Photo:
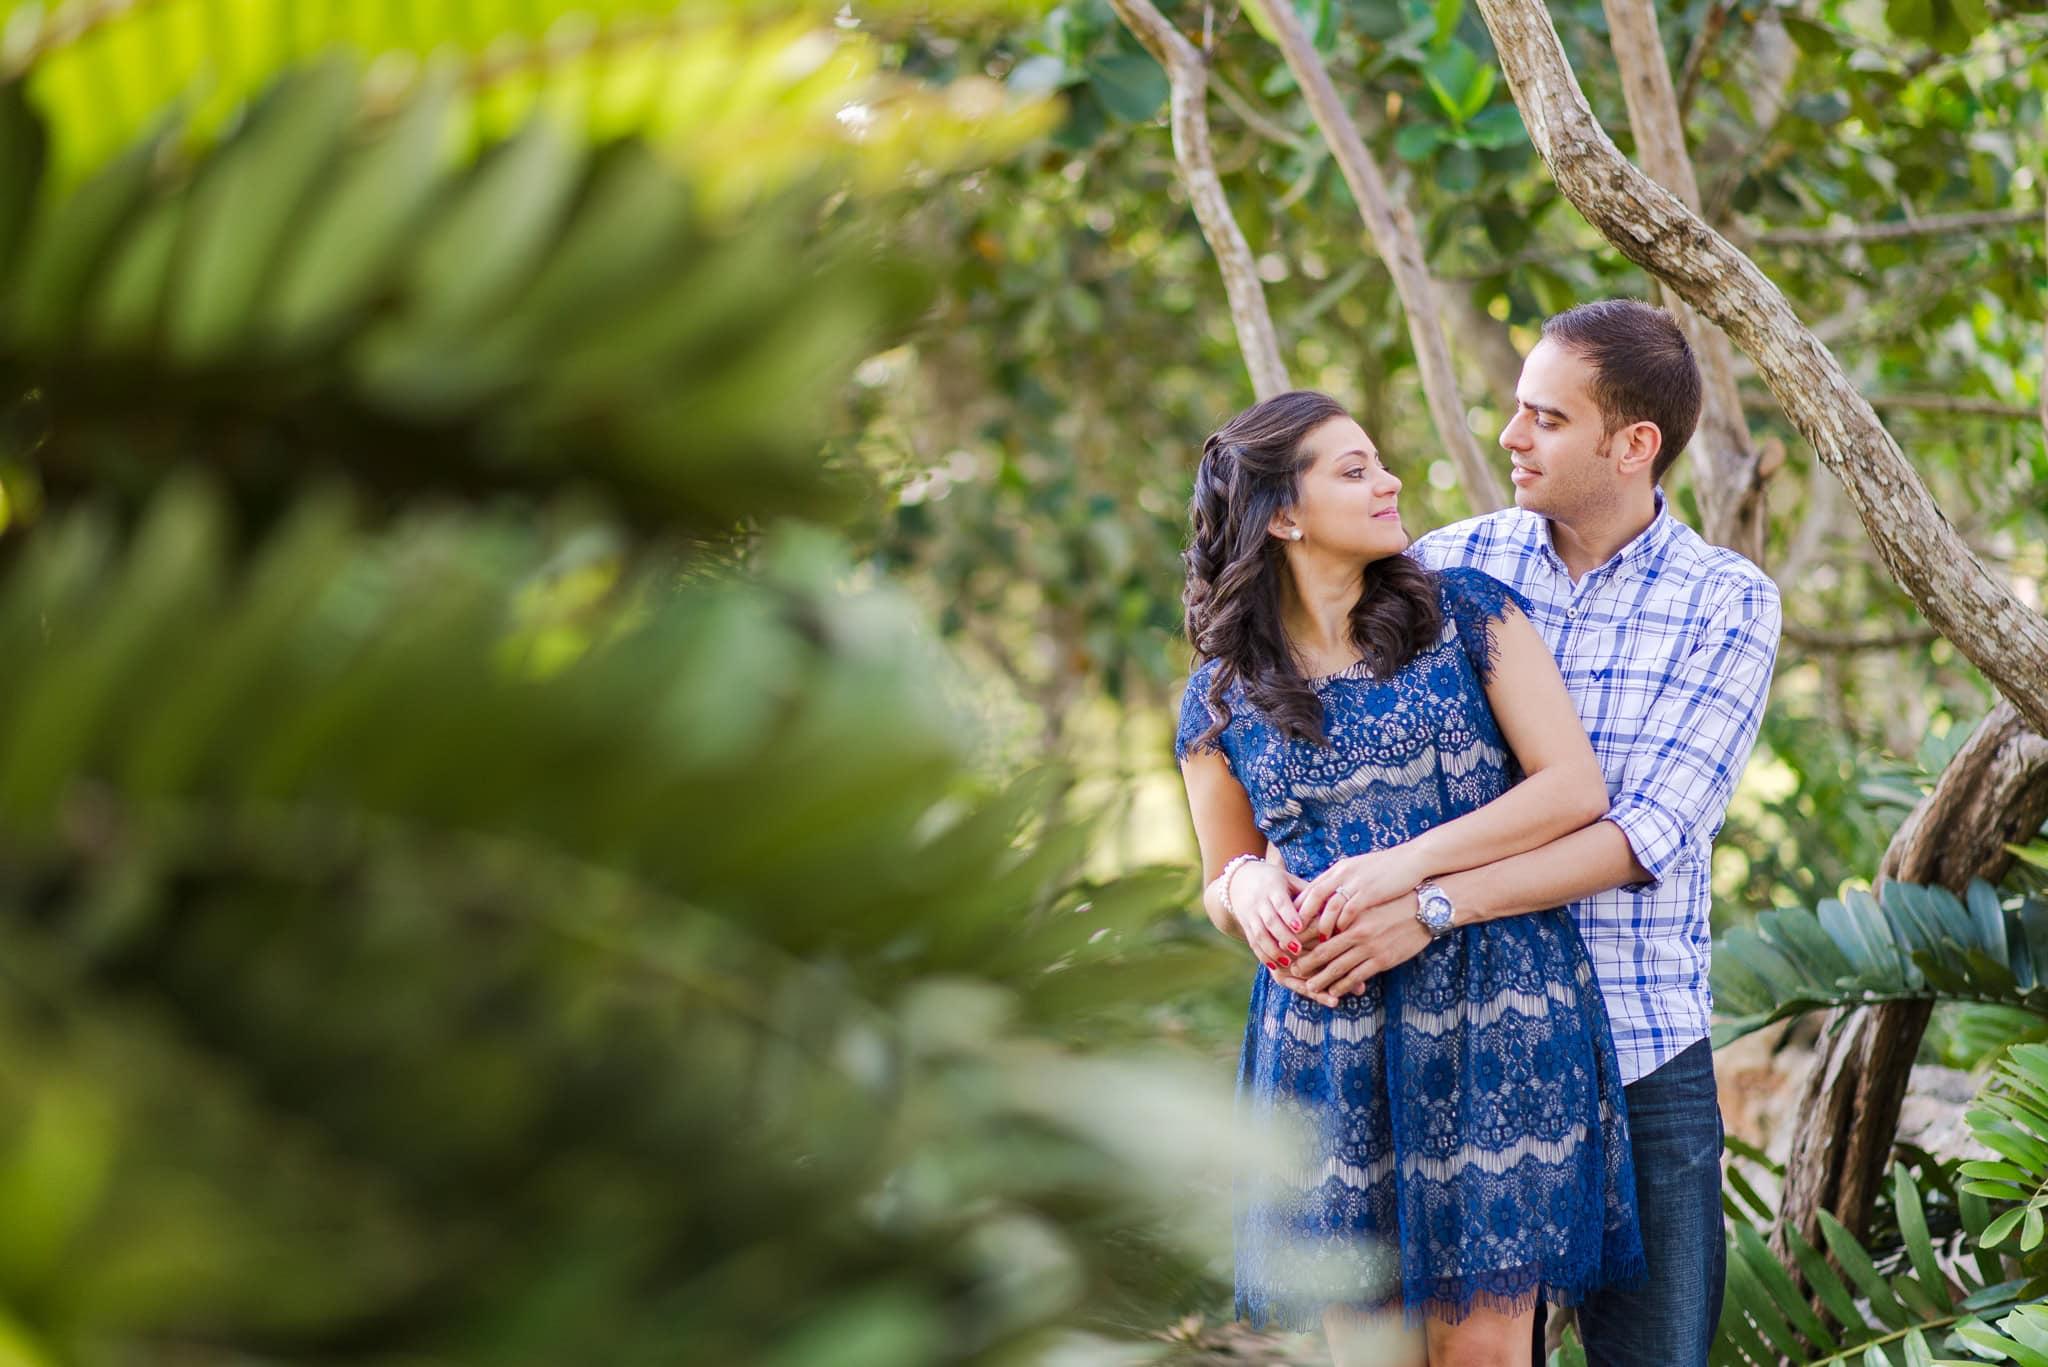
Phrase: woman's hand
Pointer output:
(1261, 896)
(1376, 939)
(1349, 886)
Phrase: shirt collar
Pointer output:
(1647, 544)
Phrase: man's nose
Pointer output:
(1512, 437)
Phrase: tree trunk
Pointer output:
(2001, 635)
(1726, 473)
(1187, 71)
(1993, 793)
(1399, 244)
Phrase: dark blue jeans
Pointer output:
(1674, 1125)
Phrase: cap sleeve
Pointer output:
(1476, 603)
(1195, 716)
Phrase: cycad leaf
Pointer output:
(244, 204)
(1856, 1262)
(24, 149)
(354, 231)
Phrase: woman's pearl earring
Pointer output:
(1296, 533)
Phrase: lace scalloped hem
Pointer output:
(1452, 1304)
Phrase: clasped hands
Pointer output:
(1327, 938)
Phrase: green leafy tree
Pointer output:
(478, 881)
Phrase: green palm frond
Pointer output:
(733, 746)
(1931, 1292)
(302, 298)
(1914, 943)
(532, 960)
(2021, 1337)
(749, 91)
(1868, 1316)
(2012, 1120)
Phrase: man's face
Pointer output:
(1563, 467)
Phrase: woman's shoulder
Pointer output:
(1197, 731)
(1470, 595)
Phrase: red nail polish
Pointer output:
(1284, 961)
(1294, 946)
(1294, 925)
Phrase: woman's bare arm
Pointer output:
(1562, 791)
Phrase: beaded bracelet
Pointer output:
(1223, 878)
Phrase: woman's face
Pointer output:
(1349, 501)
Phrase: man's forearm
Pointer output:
(1588, 861)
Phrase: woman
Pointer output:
(1467, 1142)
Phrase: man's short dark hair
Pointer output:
(1643, 369)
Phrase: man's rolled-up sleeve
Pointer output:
(1697, 736)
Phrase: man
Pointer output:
(1667, 645)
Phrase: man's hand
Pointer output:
(1351, 885)
(1375, 940)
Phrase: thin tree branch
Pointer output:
(1258, 120)
(1400, 246)
(1728, 482)
(1933, 225)
(1931, 403)
(1187, 71)
(1950, 585)
(1836, 643)
(1696, 56)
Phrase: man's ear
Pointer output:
(1643, 440)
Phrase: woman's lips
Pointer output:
(1390, 515)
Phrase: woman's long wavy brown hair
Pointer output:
(1251, 469)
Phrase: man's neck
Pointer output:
(1588, 542)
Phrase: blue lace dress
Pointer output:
(1466, 1141)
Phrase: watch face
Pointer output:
(1436, 911)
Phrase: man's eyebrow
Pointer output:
(1543, 408)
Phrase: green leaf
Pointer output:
(477, 253)
(243, 205)
(24, 153)
(1416, 141)
(66, 248)
(1826, 1283)
(1130, 85)
(1919, 1246)
(1771, 1274)
(1457, 170)
(124, 312)
(1478, 92)
(1856, 1262)
(2000, 1229)
(1760, 1309)
(1496, 126)
(355, 231)
(1910, 18)
(1448, 12)
(1451, 74)
(1812, 39)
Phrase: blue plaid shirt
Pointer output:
(1667, 649)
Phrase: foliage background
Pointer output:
(592, 593)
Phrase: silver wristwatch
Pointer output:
(1433, 908)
